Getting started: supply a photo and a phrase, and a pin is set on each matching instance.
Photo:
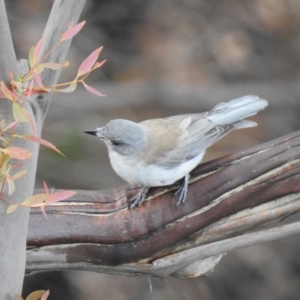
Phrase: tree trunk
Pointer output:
(13, 231)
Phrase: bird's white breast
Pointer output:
(137, 172)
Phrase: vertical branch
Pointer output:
(8, 60)
(13, 228)
(64, 12)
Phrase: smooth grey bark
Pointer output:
(13, 227)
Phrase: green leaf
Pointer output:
(35, 200)
(39, 68)
(31, 57)
(11, 208)
(11, 184)
(19, 174)
(5, 160)
(19, 113)
(69, 89)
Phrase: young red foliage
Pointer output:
(92, 90)
(17, 152)
(89, 62)
(72, 31)
(38, 49)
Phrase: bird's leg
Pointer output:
(183, 190)
(139, 198)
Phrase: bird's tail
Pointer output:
(234, 111)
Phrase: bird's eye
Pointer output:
(116, 143)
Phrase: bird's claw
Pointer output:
(139, 198)
(182, 191)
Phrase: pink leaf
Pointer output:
(92, 90)
(99, 64)
(45, 295)
(17, 152)
(7, 93)
(38, 48)
(11, 125)
(46, 188)
(52, 65)
(38, 140)
(2, 95)
(59, 196)
(29, 89)
(89, 62)
(72, 31)
(37, 78)
(42, 208)
(32, 123)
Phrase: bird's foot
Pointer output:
(139, 198)
(183, 190)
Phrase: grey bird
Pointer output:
(159, 152)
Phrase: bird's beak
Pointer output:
(92, 132)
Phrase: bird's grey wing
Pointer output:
(203, 133)
(198, 134)
(167, 143)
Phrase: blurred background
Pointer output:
(166, 58)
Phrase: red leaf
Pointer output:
(32, 123)
(45, 295)
(42, 208)
(30, 87)
(92, 90)
(17, 152)
(46, 188)
(38, 48)
(2, 95)
(6, 92)
(99, 64)
(89, 62)
(10, 125)
(37, 78)
(72, 31)
(59, 196)
(37, 90)
(39, 140)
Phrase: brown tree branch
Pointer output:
(227, 197)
